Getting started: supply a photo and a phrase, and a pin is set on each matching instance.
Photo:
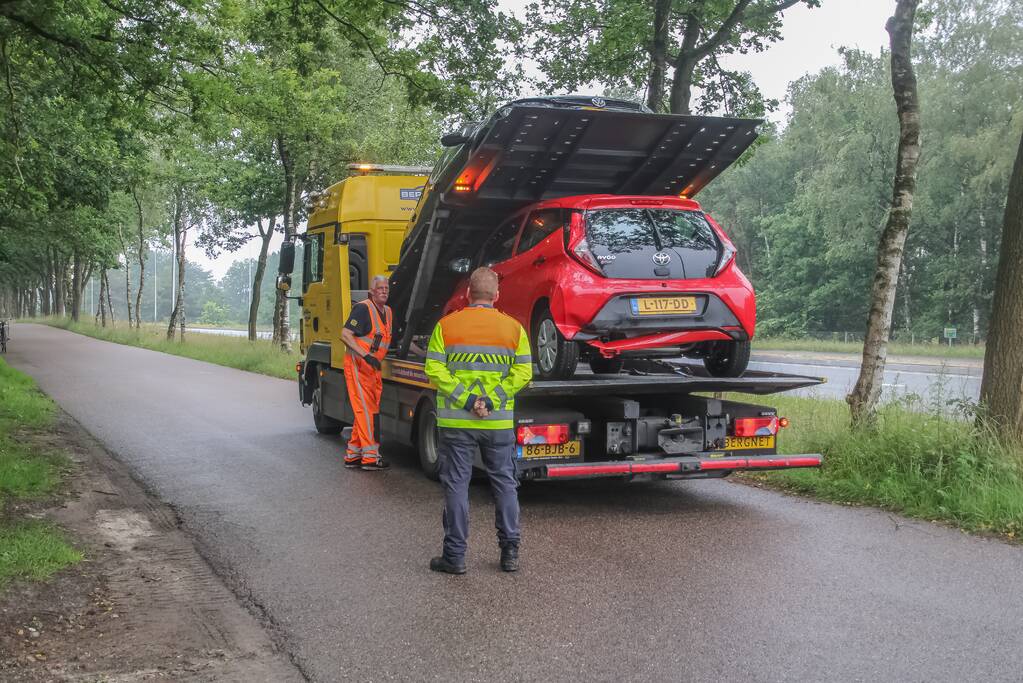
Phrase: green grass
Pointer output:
(894, 349)
(915, 462)
(33, 550)
(234, 352)
(28, 470)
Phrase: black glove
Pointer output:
(372, 361)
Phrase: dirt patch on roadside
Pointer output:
(144, 605)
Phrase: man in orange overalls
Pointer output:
(367, 334)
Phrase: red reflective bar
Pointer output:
(656, 467)
(722, 464)
(785, 462)
(587, 470)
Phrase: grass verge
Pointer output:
(894, 349)
(915, 462)
(28, 469)
(234, 352)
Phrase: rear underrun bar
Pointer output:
(688, 465)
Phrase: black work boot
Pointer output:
(375, 465)
(510, 557)
(441, 564)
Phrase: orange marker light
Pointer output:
(783, 422)
(461, 187)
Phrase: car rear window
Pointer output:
(625, 239)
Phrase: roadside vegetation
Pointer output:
(258, 356)
(925, 350)
(29, 471)
(916, 460)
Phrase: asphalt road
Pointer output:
(654, 581)
(931, 383)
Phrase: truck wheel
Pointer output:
(727, 359)
(426, 441)
(606, 366)
(555, 356)
(324, 424)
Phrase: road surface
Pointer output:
(652, 581)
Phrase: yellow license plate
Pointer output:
(665, 305)
(552, 450)
(741, 443)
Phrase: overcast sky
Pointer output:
(811, 39)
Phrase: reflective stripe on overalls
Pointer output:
(364, 386)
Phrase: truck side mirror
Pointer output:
(287, 262)
(453, 140)
(460, 266)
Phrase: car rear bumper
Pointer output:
(616, 317)
(688, 467)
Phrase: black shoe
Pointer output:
(353, 464)
(439, 564)
(510, 557)
(378, 464)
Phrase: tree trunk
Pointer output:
(102, 299)
(110, 300)
(864, 397)
(257, 279)
(127, 274)
(141, 257)
(659, 55)
(685, 68)
(1001, 388)
(178, 229)
(58, 284)
(178, 313)
(76, 286)
(282, 327)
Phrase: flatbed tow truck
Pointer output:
(659, 419)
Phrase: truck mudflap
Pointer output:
(676, 468)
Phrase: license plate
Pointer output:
(569, 449)
(664, 305)
(741, 443)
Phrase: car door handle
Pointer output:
(540, 260)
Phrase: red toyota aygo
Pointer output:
(607, 277)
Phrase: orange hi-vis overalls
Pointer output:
(364, 385)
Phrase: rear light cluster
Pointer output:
(758, 426)
(727, 256)
(578, 246)
(541, 434)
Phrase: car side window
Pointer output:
(499, 247)
(539, 225)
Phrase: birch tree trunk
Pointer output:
(179, 241)
(282, 326)
(1001, 388)
(257, 279)
(127, 274)
(141, 257)
(865, 395)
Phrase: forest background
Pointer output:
(131, 129)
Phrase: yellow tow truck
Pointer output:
(422, 228)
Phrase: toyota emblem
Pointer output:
(598, 102)
(662, 258)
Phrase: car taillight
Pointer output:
(578, 246)
(527, 434)
(755, 426)
(727, 256)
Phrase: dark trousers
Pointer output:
(457, 450)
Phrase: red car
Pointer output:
(608, 276)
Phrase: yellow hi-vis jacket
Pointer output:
(478, 352)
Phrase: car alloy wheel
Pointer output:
(547, 345)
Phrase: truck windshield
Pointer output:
(625, 241)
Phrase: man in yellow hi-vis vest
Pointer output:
(367, 333)
(479, 358)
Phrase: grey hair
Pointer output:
(377, 278)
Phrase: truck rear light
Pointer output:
(539, 434)
(755, 426)
(460, 187)
(783, 422)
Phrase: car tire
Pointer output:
(427, 441)
(606, 366)
(727, 358)
(324, 423)
(555, 356)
